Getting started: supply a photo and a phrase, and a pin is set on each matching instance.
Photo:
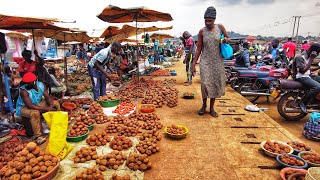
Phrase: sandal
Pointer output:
(214, 114)
(202, 111)
(40, 140)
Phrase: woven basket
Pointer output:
(313, 173)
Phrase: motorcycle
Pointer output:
(288, 105)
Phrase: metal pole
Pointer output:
(294, 26)
(137, 56)
(298, 27)
(1, 88)
(65, 63)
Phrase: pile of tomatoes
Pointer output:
(124, 108)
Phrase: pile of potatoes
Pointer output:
(85, 154)
(312, 157)
(148, 147)
(95, 108)
(114, 127)
(98, 139)
(30, 163)
(9, 150)
(87, 120)
(152, 125)
(299, 146)
(138, 162)
(153, 98)
(290, 172)
(78, 129)
(128, 131)
(173, 129)
(143, 116)
(153, 135)
(112, 160)
(291, 160)
(276, 147)
(101, 119)
(117, 177)
(109, 97)
(89, 174)
(120, 142)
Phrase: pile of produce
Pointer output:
(85, 154)
(150, 70)
(153, 135)
(98, 139)
(87, 120)
(120, 142)
(147, 147)
(95, 108)
(101, 119)
(117, 177)
(91, 173)
(291, 160)
(290, 172)
(136, 116)
(112, 160)
(109, 97)
(8, 151)
(138, 162)
(299, 146)
(114, 77)
(30, 163)
(78, 129)
(152, 125)
(312, 157)
(160, 72)
(173, 129)
(128, 131)
(79, 81)
(124, 108)
(276, 147)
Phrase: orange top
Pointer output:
(24, 66)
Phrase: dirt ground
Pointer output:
(226, 147)
(294, 127)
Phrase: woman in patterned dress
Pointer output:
(211, 65)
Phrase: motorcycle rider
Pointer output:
(242, 56)
(302, 73)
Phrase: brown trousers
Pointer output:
(34, 117)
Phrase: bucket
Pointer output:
(313, 173)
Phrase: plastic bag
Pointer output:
(58, 124)
(315, 118)
(225, 48)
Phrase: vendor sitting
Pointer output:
(57, 87)
(30, 104)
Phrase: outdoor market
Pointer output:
(136, 101)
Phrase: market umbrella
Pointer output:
(18, 22)
(114, 14)
(18, 35)
(161, 36)
(110, 31)
(67, 36)
(125, 32)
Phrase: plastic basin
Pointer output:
(287, 165)
(285, 170)
(111, 103)
(187, 96)
(147, 108)
(79, 138)
(177, 136)
(271, 154)
(310, 164)
(51, 174)
(296, 151)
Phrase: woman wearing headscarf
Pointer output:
(190, 50)
(211, 65)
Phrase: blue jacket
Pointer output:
(243, 59)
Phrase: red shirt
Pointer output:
(292, 48)
(306, 46)
(189, 42)
(25, 67)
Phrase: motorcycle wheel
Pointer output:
(286, 101)
(248, 86)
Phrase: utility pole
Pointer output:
(294, 25)
(298, 27)
(308, 34)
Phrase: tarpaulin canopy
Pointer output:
(114, 14)
(66, 36)
(160, 36)
(18, 35)
(110, 31)
(18, 22)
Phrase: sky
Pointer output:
(253, 17)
